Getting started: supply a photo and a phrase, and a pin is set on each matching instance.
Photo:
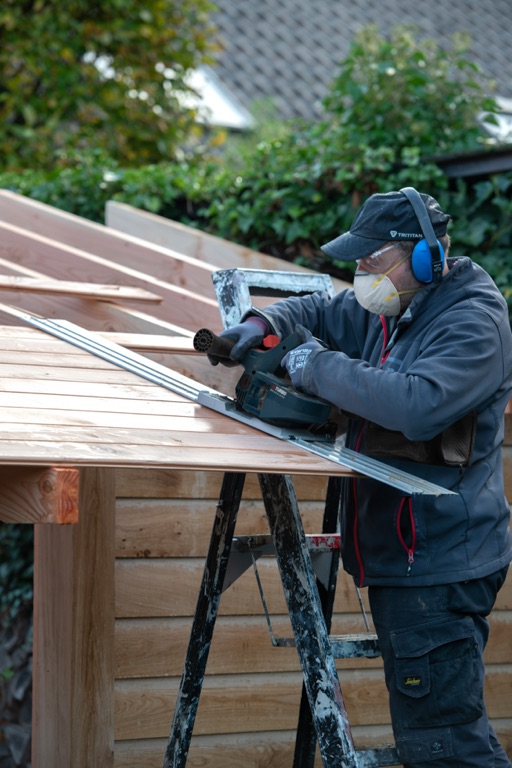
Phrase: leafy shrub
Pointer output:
(395, 102)
(16, 570)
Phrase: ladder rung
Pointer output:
(371, 758)
(363, 645)
(263, 544)
(356, 646)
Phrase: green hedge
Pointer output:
(280, 206)
(394, 101)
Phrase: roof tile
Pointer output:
(290, 51)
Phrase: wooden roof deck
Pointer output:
(61, 404)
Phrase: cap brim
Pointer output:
(349, 247)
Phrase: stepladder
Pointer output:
(308, 566)
(323, 724)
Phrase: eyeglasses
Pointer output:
(375, 262)
(376, 254)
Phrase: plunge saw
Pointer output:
(264, 389)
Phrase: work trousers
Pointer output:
(432, 640)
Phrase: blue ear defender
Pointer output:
(421, 261)
(427, 260)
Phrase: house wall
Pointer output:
(249, 705)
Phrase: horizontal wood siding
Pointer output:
(249, 705)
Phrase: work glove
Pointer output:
(246, 335)
(298, 361)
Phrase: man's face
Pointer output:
(392, 262)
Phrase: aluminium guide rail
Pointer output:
(210, 398)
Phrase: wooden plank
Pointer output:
(507, 439)
(39, 495)
(12, 337)
(53, 259)
(145, 342)
(74, 633)
(242, 644)
(147, 648)
(246, 704)
(181, 527)
(97, 374)
(273, 749)
(262, 750)
(94, 315)
(79, 233)
(104, 392)
(86, 290)
(150, 425)
(171, 234)
(196, 484)
(131, 322)
(193, 242)
(173, 457)
(195, 366)
(169, 587)
(264, 703)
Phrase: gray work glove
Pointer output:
(246, 335)
(299, 360)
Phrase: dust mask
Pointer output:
(377, 293)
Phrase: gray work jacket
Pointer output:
(447, 360)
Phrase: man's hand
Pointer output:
(248, 334)
(299, 360)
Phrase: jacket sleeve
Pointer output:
(458, 367)
(339, 322)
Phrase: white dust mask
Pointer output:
(377, 293)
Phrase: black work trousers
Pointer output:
(432, 640)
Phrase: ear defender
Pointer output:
(421, 261)
(427, 259)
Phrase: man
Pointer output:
(419, 355)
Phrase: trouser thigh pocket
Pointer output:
(438, 675)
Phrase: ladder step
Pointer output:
(371, 758)
(354, 646)
(262, 543)
(364, 645)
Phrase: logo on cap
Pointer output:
(405, 235)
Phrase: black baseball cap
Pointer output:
(384, 217)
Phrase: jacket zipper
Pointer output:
(412, 548)
(355, 532)
(384, 354)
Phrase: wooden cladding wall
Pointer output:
(249, 704)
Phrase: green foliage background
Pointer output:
(80, 75)
(397, 105)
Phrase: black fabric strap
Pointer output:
(421, 212)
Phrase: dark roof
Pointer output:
(289, 50)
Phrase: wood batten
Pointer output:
(85, 290)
